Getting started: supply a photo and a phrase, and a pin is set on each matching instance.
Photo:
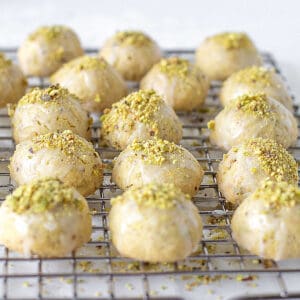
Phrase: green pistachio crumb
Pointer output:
(211, 124)
(142, 105)
(174, 66)
(156, 151)
(48, 32)
(232, 40)
(161, 196)
(84, 63)
(253, 75)
(278, 195)
(97, 98)
(67, 142)
(51, 95)
(135, 38)
(273, 158)
(42, 195)
(254, 104)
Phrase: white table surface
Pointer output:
(273, 25)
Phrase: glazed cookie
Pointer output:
(157, 161)
(255, 80)
(252, 116)
(267, 223)
(13, 83)
(223, 54)
(47, 110)
(46, 218)
(159, 223)
(64, 155)
(181, 84)
(93, 80)
(47, 49)
(132, 53)
(245, 166)
(141, 115)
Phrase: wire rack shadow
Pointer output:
(98, 263)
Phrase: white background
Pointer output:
(273, 25)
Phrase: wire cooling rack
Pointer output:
(98, 264)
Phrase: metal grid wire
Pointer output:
(98, 260)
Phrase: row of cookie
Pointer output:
(134, 55)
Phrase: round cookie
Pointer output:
(181, 84)
(223, 54)
(13, 83)
(47, 49)
(132, 53)
(46, 218)
(93, 80)
(64, 155)
(267, 223)
(159, 223)
(253, 80)
(247, 165)
(52, 109)
(140, 116)
(252, 116)
(157, 161)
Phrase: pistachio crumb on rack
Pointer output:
(242, 277)
(255, 104)
(136, 38)
(26, 284)
(278, 195)
(129, 286)
(153, 195)
(232, 40)
(42, 195)
(142, 105)
(156, 151)
(4, 62)
(197, 280)
(211, 124)
(274, 159)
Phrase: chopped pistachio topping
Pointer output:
(67, 142)
(42, 195)
(86, 63)
(211, 124)
(157, 151)
(232, 40)
(255, 74)
(136, 38)
(52, 94)
(273, 158)
(4, 62)
(161, 196)
(48, 32)
(278, 195)
(174, 66)
(255, 104)
(142, 105)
